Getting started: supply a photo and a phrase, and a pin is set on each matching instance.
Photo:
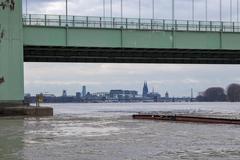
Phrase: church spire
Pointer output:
(145, 89)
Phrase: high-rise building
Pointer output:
(191, 93)
(78, 95)
(64, 94)
(145, 89)
(166, 95)
(84, 91)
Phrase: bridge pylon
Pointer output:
(11, 52)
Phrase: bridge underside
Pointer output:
(129, 55)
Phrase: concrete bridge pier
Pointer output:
(11, 62)
(11, 52)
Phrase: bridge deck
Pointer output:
(50, 38)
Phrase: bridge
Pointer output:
(64, 38)
(52, 38)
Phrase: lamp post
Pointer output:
(237, 10)
(173, 12)
(230, 10)
(111, 8)
(26, 7)
(121, 9)
(104, 9)
(193, 10)
(121, 13)
(153, 9)
(206, 10)
(66, 12)
(139, 9)
(220, 10)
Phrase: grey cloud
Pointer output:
(162, 8)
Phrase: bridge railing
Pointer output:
(129, 23)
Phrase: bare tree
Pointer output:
(233, 92)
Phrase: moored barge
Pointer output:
(187, 118)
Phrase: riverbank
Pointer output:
(26, 111)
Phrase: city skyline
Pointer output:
(143, 91)
(83, 91)
(112, 96)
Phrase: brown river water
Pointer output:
(107, 132)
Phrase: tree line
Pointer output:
(219, 94)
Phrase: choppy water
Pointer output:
(107, 132)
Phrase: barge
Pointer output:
(187, 118)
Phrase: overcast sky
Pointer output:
(177, 79)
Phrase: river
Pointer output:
(107, 132)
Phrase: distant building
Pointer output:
(84, 91)
(130, 93)
(47, 98)
(145, 90)
(155, 97)
(48, 95)
(101, 94)
(27, 95)
(200, 93)
(191, 93)
(166, 95)
(27, 98)
(78, 95)
(115, 93)
(64, 94)
(123, 94)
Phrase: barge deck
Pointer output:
(187, 118)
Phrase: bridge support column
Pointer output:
(11, 53)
